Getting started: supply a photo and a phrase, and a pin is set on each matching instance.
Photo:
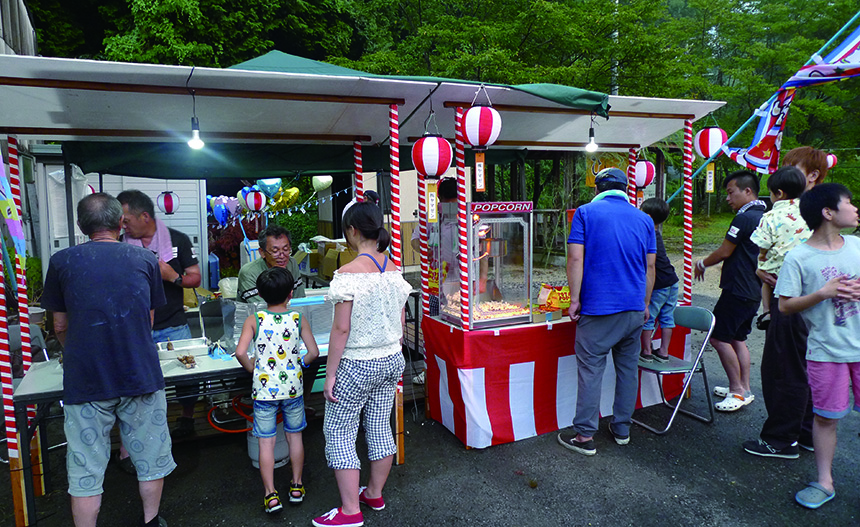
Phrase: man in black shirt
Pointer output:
(179, 271)
(741, 289)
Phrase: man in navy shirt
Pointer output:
(611, 253)
(741, 289)
(103, 295)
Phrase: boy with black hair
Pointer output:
(819, 280)
(781, 230)
(741, 289)
(277, 385)
(665, 293)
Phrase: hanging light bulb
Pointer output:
(592, 145)
(195, 142)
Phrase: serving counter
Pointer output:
(501, 385)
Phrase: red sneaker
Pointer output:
(337, 518)
(376, 504)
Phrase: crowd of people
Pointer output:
(792, 260)
(112, 371)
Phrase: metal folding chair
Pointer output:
(696, 319)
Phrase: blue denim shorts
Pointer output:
(172, 333)
(662, 307)
(266, 415)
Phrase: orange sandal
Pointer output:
(273, 502)
(296, 488)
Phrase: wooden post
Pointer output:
(400, 437)
(569, 180)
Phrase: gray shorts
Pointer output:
(144, 432)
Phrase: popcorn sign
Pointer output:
(503, 207)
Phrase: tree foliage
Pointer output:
(738, 51)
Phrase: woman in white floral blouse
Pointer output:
(365, 362)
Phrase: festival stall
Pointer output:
(259, 119)
(519, 379)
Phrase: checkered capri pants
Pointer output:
(367, 385)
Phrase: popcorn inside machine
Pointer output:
(499, 277)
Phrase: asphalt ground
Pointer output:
(696, 475)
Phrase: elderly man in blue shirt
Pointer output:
(611, 254)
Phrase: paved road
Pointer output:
(696, 475)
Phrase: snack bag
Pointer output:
(543, 295)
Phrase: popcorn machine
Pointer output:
(499, 252)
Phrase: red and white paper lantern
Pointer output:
(168, 202)
(709, 141)
(255, 201)
(90, 190)
(644, 173)
(481, 126)
(431, 155)
(831, 160)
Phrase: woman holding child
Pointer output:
(365, 362)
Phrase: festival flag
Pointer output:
(840, 64)
(763, 155)
(10, 214)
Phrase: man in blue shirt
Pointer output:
(611, 253)
(103, 295)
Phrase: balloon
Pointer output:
(321, 183)
(244, 192)
(240, 197)
(269, 187)
(221, 213)
(209, 203)
(232, 205)
(291, 195)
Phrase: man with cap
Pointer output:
(611, 253)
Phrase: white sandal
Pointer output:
(721, 391)
(734, 402)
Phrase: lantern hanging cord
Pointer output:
(431, 117)
(714, 119)
(482, 88)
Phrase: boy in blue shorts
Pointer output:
(819, 280)
(277, 385)
(665, 295)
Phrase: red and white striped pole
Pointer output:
(394, 133)
(20, 259)
(631, 176)
(423, 248)
(687, 297)
(359, 175)
(462, 219)
(6, 375)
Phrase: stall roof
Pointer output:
(94, 101)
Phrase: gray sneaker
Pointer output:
(568, 440)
